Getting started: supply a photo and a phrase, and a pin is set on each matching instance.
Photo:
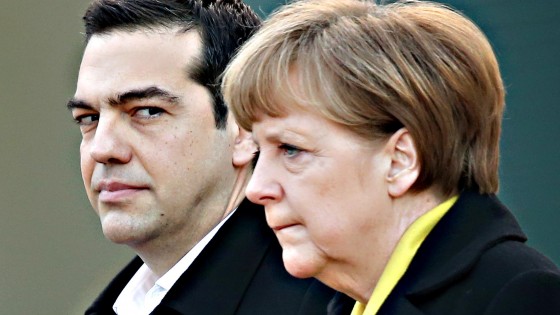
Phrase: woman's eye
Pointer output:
(86, 120)
(148, 112)
(290, 150)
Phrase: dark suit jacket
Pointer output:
(239, 272)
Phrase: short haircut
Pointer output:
(378, 68)
(223, 26)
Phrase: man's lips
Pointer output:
(113, 191)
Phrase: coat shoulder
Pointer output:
(523, 281)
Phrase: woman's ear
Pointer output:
(405, 167)
(244, 148)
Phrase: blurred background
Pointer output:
(53, 256)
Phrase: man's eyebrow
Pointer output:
(76, 103)
(132, 95)
(144, 93)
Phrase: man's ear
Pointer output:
(244, 148)
(405, 167)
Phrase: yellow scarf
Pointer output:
(402, 256)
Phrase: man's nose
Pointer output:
(110, 144)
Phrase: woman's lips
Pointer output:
(281, 227)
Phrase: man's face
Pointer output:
(156, 169)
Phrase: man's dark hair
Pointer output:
(223, 26)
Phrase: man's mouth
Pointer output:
(114, 191)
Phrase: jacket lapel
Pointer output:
(216, 281)
(104, 303)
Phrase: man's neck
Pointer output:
(161, 258)
(160, 255)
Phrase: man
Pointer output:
(165, 167)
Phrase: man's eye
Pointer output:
(148, 112)
(290, 150)
(86, 120)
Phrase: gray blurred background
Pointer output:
(53, 257)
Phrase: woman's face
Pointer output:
(325, 196)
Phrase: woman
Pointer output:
(378, 128)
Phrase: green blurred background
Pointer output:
(53, 257)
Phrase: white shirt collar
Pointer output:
(145, 291)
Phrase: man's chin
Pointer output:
(122, 232)
(120, 237)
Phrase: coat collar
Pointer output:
(475, 223)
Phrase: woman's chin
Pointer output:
(299, 264)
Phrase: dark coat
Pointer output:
(475, 261)
(239, 272)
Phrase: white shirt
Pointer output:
(145, 291)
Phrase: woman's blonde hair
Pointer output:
(378, 68)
